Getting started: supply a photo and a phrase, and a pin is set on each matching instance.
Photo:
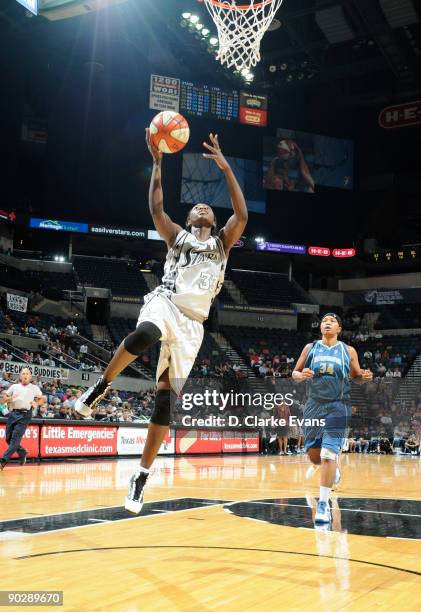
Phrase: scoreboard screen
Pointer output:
(211, 102)
(402, 254)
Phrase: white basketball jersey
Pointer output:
(193, 274)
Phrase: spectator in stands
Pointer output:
(126, 416)
(42, 412)
(388, 373)
(32, 330)
(53, 331)
(71, 329)
(368, 356)
(101, 413)
(352, 443)
(62, 413)
(381, 369)
(283, 414)
(397, 373)
(263, 370)
(397, 359)
(399, 437)
(362, 442)
(83, 351)
(4, 409)
(412, 445)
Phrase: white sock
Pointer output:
(324, 494)
(143, 469)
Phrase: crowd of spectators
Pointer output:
(61, 345)
(58, 402)
(265, 364)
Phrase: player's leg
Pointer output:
(157, 432)
(160, 420)
(145, 335)
(176, 360)
(332, 442)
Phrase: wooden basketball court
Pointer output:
(194, 550)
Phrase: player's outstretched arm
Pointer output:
(162, 222)
(300, 373)
(235, 225)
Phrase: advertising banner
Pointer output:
(17, 302)
(131, 441)
(240, 442)
(253, 109)
(400, 115)
(164, 93)
(77, 441)
(278, 247)
(15, 367)
(257, 309)
(381, 297)
(58, 226)
(117, 232)
(198, 441)
(30, 440)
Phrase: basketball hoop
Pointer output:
(240, 29)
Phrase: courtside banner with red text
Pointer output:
(240, 442)
(131, 441)
(74, 441)
(198, 441)
(30, 441)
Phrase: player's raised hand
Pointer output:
(215, 152)
(156, 153)
(307, 374)
(367, 375)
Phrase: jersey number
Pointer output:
(326, 368)
(207, 282)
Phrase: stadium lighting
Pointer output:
(259, 239)
(205, 32)
(186, 15)
(213, 41)
(245, 72)
(194, 18)
(199, 26)
(249, 77)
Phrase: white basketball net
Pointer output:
(240, 30)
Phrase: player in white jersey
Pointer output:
(174, 312)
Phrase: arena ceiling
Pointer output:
(350, 52)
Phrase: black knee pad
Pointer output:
(161, 414)
(142, 338)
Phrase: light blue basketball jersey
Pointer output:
(331, 366)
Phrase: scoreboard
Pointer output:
(211, 102)
(170, 93)
(402, 254)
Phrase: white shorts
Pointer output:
(181, 339)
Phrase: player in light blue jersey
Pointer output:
(328, 366)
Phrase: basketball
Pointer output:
(169, 132)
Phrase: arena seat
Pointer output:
(121, 276)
